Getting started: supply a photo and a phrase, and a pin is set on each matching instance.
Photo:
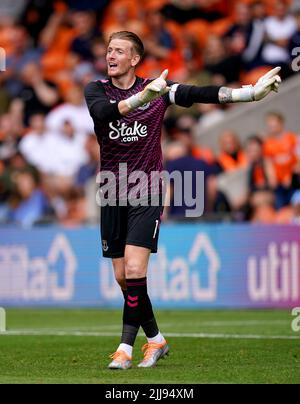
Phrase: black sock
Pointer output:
(148, 322)
(150, 327)
(138, 308)
(132, 307)
(129, 332)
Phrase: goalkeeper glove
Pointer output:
(269, 82)
(153, 90)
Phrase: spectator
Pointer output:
(188, 10)
(295, 39)
(86, 179)
(280, 27)
(230, 189)
(237, 37)
(54, 48)
(180, 160)
(19, 55)
(99, 57)
(66, 154)
(159, 41)
(14, 164)
(28, 204)
(251, 55)
(35, 16)
(84, 73)
(35, 145)
(55, 40)
(57, 155)
(37, 94)
(68, 151)
(261, 179)
(281, 147)
(290, 214)
(262, 208)
(84, 23)
(95, 5)
(160, 47)
(262, 176)
(184, 133)
(91, 168)
(211, 114)
(75, 210)
(73, 110)
(224, 68)
(10, 134)
(232, 156)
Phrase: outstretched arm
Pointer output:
(186, 95)
(179, 94)
(269, 82)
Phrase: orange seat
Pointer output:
(7, 35)
(176, 32)
(154, 5)
(199, 30)
(149, 68)
(220, 27)
(55, 58)
(130, 8)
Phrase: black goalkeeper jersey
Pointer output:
(135, 139)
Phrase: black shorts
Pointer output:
(133, 225)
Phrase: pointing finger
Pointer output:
(164, 74)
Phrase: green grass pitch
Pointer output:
(72, 346)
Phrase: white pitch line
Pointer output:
(172, 335)
(118, 327)
(233, 336)
(241, 323)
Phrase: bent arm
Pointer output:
(102, 109)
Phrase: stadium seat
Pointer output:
(220, 27)
(199, 29)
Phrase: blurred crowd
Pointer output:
(258, 181)
(49, 157)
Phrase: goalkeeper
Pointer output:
(128, 112)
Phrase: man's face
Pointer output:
(120, 57)
(229, 143)
(254, 152)
(274, 125)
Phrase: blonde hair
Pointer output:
(132, 37)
